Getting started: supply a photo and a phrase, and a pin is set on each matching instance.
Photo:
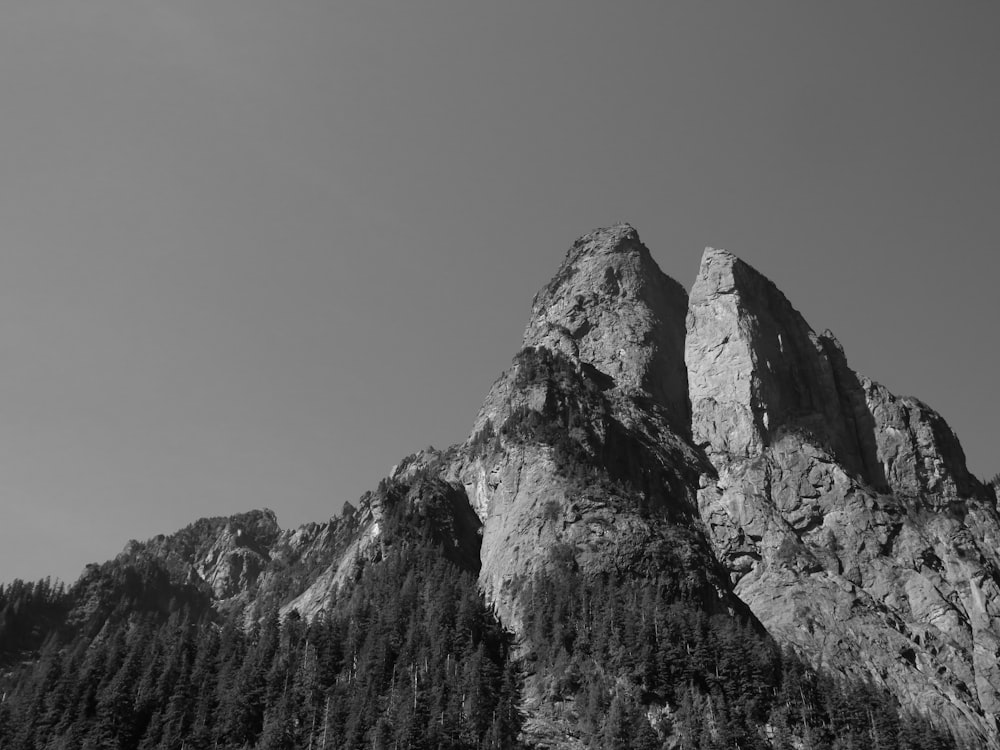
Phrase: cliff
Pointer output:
(846, 515)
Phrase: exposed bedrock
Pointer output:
(580, 450)
(845, 515)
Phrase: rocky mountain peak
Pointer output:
(828, 495)
(756, 368)
(611, 307)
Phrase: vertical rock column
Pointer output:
(845, 514)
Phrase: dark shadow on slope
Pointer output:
(649, 463)
(429, 511)
(854, 406)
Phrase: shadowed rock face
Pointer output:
(846, 515)
(611, 307)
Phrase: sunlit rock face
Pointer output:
(326, 558)
(845, 515)
(609, 306)
(580, 450)
(225, 555)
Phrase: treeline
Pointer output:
(632, 663)
(28, 612)
(409, 657)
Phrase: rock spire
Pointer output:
(846, 515)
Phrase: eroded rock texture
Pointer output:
(580, 449)
(413, 502)
(224, 555)
(845, 514)
(609, 306)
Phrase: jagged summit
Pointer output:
(619, 237)
(611, 307)
(758, 371)
(755, 366)
(712, 255)
(827, 503)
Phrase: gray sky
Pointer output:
(253, 253)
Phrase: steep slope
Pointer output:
(581, 471)
(413, 503)
(611, 308)
(407, 654)
(846, 515)
(224, 555)
(246, 564)
(579, 452)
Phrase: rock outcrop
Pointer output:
(610, 307)
(226, 555)
(846, 516)
(245, 564)
(412, 502)
(580, 449)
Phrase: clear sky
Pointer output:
(253, 252)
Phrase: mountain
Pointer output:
(846, 515)
(680, 520)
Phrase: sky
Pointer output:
(253, 253)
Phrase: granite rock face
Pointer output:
(845, 515)
(560, 469)
(384, 518)
(225, 555)
(245, 564)
(611, 307)
(328, 555)
(581, 448)
(842, 515)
